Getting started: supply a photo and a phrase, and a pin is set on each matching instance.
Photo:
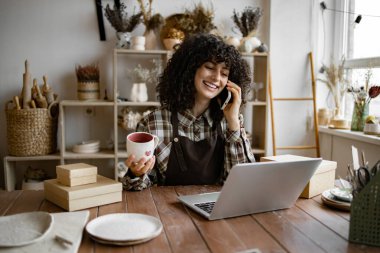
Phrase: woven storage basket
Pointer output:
(365, 214)
(32, 132)
(88, 91)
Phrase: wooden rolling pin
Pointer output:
(17, 102)
(26, 87)
(40, 100)
(47, 91)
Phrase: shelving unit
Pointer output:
(255, 112)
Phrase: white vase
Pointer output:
(233, 41)
(142, 92)
(124, 40)
(134, 93)
(138, 43)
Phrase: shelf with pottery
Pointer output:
(68, 154)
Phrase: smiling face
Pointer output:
(210, 79)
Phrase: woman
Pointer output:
(199, 142)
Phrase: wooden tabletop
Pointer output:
(309, 226)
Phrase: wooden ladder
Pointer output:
(271, 99)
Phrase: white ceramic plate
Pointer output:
(341, 194)
(24, 228)
(124, 227)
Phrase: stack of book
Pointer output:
(78, 186)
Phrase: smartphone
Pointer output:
(225, 98)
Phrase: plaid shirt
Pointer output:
(194, 128)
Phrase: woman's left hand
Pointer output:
(232, 110)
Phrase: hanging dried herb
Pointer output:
(118, 18)
(248, 21)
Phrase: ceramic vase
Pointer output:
(124, 40)
(152, 41)
(138, 43)
(134, 92)
(142, 92)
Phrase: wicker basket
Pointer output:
(88, 91)
(32, 132)
(365, 214)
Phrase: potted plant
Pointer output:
(88, 81)
(247, 23)
(122, 23)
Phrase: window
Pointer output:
(361, 45)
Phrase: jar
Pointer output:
(324, 116)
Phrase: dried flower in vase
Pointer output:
(202, 19)
(118, 17)
(87, 73)
(335, 82)
(151, 22)
(248, 21)
(146, 75)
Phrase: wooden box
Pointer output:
(76, 174)
(323, 178)
(104, 191)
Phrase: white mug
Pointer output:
(141, 145)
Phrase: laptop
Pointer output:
(255, 188)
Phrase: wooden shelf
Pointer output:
(257, 128)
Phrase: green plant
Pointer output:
(87, 73)
(248, 21)
(118, 17)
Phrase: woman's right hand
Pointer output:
(141, 167)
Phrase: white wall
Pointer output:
(55, 35)
(293, 34)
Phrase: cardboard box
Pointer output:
(104, 191)
(323, 178)
(76, 174)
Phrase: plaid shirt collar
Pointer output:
(187, 118)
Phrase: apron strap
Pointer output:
(176, 144)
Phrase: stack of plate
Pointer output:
(87, 147)
(337, 198)
(124, 228)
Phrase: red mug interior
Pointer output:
(140, 137)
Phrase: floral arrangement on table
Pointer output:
(119, 19)
(336, 83)
(362, 97)
(248, 21)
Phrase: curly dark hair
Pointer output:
(176, 89)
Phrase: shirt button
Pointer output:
(175, 139)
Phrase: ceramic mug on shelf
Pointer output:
(141, 145)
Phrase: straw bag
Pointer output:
(32, 132)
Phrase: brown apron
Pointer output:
(195, 162)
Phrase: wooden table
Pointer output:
(307, 227)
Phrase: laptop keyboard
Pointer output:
(207, 206)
